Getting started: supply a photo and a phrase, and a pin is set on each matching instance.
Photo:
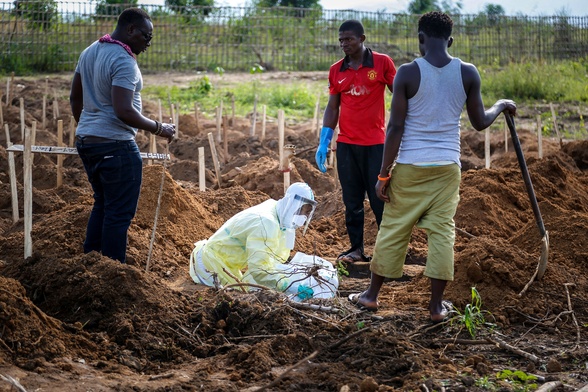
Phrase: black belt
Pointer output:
(93, 140)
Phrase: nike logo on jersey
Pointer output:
(342, 80)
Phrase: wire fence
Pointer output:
(48, 36)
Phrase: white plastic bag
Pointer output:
(310, 276)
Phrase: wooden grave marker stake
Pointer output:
(12, 174)
(72, 131)
(253, 117)
(263, 122)
(60, 156)
(22, 119)
(28, 192)
(201, 170)
(217, 114)
(214, 158)
(555, 126)
(539, 137)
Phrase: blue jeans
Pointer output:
(358, 168)
(115, 171)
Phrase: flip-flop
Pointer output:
(354, 299)
(348, 258)
(447, 309)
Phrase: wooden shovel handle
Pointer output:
(525, 171)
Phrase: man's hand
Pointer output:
(323, 148)
(382, 189)
(166, 130)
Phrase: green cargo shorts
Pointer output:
(425, 196)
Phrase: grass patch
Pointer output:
(526, 83)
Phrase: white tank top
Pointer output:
(432, 127)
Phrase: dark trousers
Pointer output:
(358, 169)
(115, 172)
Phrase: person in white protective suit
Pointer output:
(254, 246)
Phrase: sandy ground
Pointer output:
(76, 322)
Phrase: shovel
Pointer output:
(544, 234)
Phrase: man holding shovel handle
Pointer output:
(420, 173)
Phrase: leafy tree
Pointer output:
(288, 3)
(190, 7)
(40, 13)
(418, 7)
(114, 7)
(494, 10)
(449, 7)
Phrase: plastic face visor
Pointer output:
(305, 209)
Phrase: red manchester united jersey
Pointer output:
(362, 112)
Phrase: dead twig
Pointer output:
(160, 376)
(462, 341)
(243, 284)
(13, 382)
(287, 371)
(252, 337)
(502, 344)
(566, 285)
(226, 271)
(309, 357)
(529, 283)
(306, 306)
(550, 386)
(334, 325)
(48, 321)
(465, 233)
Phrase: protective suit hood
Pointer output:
(295, 210)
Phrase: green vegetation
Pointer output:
(563, 81)
(520, 381)
(297, 99)
(525, 83)
(473, 317)
(341, 268)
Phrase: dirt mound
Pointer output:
(75, 321)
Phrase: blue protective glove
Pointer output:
(323, 148)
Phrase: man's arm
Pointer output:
(122, 103)
(479, 117)
(76, 97)
(407, 76)
(331, 116)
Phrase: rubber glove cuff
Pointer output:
(323, 148)
(325, 138)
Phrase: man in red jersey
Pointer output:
(357, 84)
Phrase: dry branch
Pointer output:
(504, 345)
(14, 383)
(309, 357)
(550, 386)
(322, 308)
(573, 315)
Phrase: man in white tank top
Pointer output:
(420, 173)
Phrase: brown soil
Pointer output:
(76, 322)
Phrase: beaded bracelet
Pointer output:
(383, 178)
(159, 128)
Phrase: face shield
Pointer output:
(296, 208)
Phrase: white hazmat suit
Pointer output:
(255, 244)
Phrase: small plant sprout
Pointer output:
(473, 317)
